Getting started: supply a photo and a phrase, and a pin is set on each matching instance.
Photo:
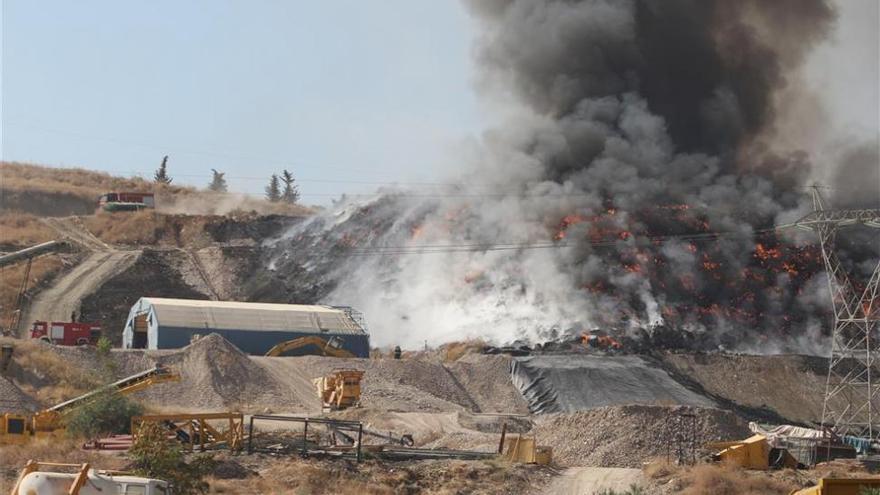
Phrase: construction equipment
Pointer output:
(33, 252)
(36, 480)
(331, 347)
(18, 429)
(840, 486)
(753, 453)
(340, 389)
(527, 451)
(66, 332)
(126, 201)
(26, 254)
(195, 430)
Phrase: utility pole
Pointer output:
(852, 391)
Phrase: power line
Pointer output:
(482, 247)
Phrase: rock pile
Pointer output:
(627, 436)
(13, 400)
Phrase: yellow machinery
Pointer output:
(340, 389)
(18, 429)
(839, 486)
(332, 347)
(751, 453)
(527, 451)
(195, 430)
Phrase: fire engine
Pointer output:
(66, 333)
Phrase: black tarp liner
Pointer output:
(568, 383)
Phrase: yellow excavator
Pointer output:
(19, 429)
(331, 347)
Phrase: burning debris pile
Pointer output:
(631, 189)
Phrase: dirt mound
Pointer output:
(14, 400)
(627, 436)
(486, 379)
(390, 384)
(790, 386)
(214, 374)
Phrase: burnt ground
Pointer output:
(151, 275)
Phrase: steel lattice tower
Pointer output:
(852, 392)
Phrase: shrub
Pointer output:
(154, 455)
(107, 412)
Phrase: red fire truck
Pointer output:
(66, 333)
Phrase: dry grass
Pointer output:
(454, 351)
(142, 227)
(660, 469)
(16, 176)
(23, 229)
(43, 374)
(317, 477)
(11, 278)
(62, 450)
(718, 479)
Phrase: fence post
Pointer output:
(305, 436)
(251, 436)
(360, 436)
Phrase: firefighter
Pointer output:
(73, 316)
(397, 352)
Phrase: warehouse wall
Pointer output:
(251, 341)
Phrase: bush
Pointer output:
(108, 412)
(154, 455)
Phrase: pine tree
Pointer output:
(273, 190)
(218, 183)
(291, 190)
(162, 174)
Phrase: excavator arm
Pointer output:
(332, 347)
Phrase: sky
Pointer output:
(346, 90)
(346, 94)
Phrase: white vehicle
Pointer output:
(35, 481)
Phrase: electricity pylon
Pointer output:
(852, 391)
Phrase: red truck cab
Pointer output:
(66, 333)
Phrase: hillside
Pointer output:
(198, 244)
(48, 191)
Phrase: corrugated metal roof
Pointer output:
(229, 315)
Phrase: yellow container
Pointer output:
(840, 486)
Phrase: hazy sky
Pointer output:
(349, 90)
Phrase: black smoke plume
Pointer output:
(630, 190)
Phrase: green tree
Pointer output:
(218, 182)
(291, 190)
(273, 190)
(155, 456)
(105, 413)
(162, 176)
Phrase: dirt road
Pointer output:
(66, 294)
(593, 480)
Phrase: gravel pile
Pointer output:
(486, 379)
(13, 400)
(214, 374)
(393, 385)
(627, 436)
